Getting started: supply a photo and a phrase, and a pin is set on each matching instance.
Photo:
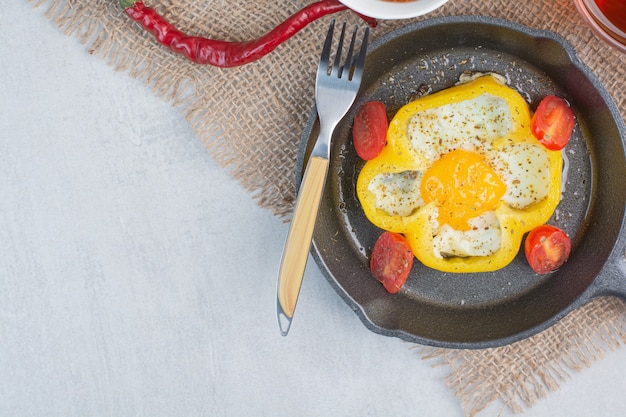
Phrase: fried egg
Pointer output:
(468, 168)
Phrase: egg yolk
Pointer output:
(463, 185)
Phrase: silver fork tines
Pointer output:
(336, 70)
(336, 87)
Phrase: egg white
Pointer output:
(525, 169)
(482, 239)
(471, 124)
(397, 193)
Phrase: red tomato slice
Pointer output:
(553, 122)
(391, 261)
(369, 132)
(547, 248)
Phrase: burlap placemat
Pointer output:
(251, 118)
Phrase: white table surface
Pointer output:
(138, 279)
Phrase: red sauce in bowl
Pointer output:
(614, 11)
(607, 18)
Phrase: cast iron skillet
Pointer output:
(485, 309)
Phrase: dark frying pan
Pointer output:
(485, 309)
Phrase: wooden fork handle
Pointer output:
(298, 243)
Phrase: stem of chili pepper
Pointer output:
(224, 53)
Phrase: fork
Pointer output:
(336, 87)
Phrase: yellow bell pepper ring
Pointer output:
(429, 177)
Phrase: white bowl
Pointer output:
(385, 9)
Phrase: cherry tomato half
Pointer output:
(547, 248)
(391, 261)
(553, 122)
(369, 132)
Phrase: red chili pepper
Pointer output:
(224, 53)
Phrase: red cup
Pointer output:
(607, 18)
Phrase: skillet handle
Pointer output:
(612, 278)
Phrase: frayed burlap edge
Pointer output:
(532, 368)
(525, 372)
